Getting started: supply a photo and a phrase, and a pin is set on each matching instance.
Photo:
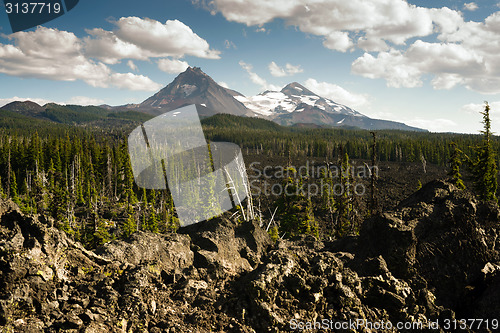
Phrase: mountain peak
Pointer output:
(195, 70)
(296, 88)
(26, 107)
(193, 86)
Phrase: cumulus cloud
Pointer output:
(289, 70)
(229, 44)
(144, 38)
(83, 100)
(433, 125)
(450, 63)
(338, 41)
(172, 66)
(172, 38)
(52, 54)
(336, 93)
(393, 20)
(131, 81)
(472, 6)
(475, 108)
(257, 79)
(58, 55)
(75, 100)
(382, 28)
(40, 101)
(132, 65)
(223, 84)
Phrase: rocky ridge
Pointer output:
(435, 257)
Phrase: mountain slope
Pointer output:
(295, 104)
(231, 121)
(194, 87)
(314, 115)
(29, 114)
(26, 108)
(271, 104)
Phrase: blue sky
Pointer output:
(429, 64)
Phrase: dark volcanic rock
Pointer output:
(439, 234)
(434, 258)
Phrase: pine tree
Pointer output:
(13, 188)
(130, 225)
(2, 195)
(289, 204)
(455, 162)
(273, 233)
(485, 166)
(101, 234)
(309, 225)
(344, 201)
(153, 221)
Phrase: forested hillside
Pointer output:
(80, 174)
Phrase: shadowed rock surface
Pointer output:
(434, 258)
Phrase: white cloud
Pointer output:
(173, 38)
(108, 48)
(433, 125)
(338, 41)
(223, 84)
(229, 44)
(384, 27)
(40, 101)
(392, 20)
(289, 70)
(336, 93)
(475, 108)
(450, 63)
(132, 65)
(83, 100)
(75, 100)
(58, 55)
(172, 66)
(390, 66)
(471, 6)
(138, 38)
(131, 81)
(276, 70)
(257, 79)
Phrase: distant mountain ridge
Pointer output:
(293, 105)
(69, 114)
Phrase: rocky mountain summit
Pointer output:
(194, 87)
(433, 258)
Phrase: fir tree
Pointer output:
(455, 162)
(344, 201)
(101, 234)
(2, 195)
(130, 225)
(13, 188)
(485, 166)
(309, 225)
(153, 221)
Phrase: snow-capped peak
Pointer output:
(273, 103)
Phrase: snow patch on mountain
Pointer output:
(268, 103)
(188, 89)
(271, 104)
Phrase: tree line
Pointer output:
(82, 177)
